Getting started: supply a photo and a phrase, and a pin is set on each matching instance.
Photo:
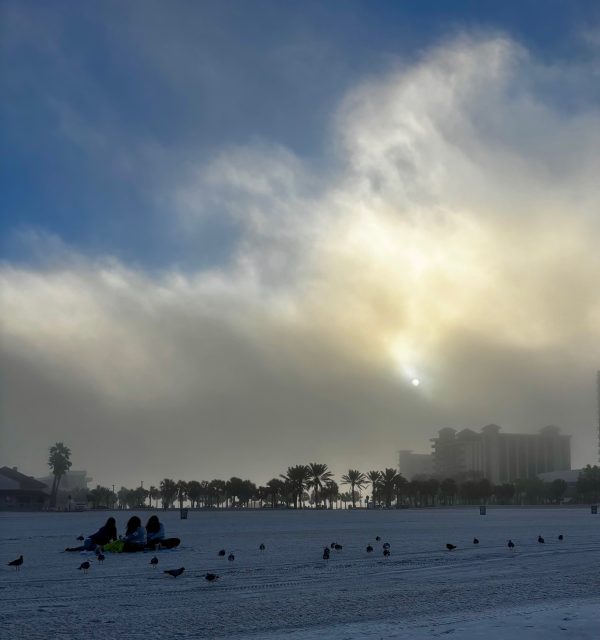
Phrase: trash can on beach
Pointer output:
(594, 509)
(482, 510)
(183, 514)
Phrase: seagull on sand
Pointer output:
(511, 544)
(450, 547)
(84, 566)
(16, 563)
(326, 553)
(175, 572)
(231, 557)
(378, 538)
(101, 558)
(262, 547)
(338, 547)
(475, 541)
(211, 577)
(154, 562)
(541, 540)
(369, 548)
(386, 545)
(386, 553)
(561, 537)
(221, 552)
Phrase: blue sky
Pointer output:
(109, 102)
(240, 223)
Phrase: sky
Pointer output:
(233, 233)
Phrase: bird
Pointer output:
(511, 544)
(154, 562)
(369, 548)
(338, 547)
(541, 540)
(326, 553)
(80, 538)
(332, 545)
(475, 541)
(175, 572)
(16, 563)
(221, 552)
(262, 547)
(386, 545)
(101, 557)
(231, 557)
(386, 553)
(211, 577)
(450, 546)
(561, 537)
(84, 566)
(377, 538)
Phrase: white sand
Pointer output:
(422, 591)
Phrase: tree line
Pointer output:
(313, 486)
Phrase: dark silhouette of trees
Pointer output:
(168, 492)
(194, 493)
(504, 493)
(388, 484)
(276, 489)
(557, 490)
(297, 478)
(400, 487)
(355, 479)
(319, 474)
(448, 490)
(102, 497)
(374, 477)
(330, 492)
(59, 462)
(588, 483)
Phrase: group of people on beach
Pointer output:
(136, 538)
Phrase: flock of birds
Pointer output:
(211, 577)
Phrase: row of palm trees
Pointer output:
(299, 486)
(313, 485)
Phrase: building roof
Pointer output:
(25, 482)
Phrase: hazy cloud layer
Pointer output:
(453, 235)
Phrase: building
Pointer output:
(414, 464)
(71, 481)
(500, 457)
(18, 491)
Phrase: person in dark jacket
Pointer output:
(155, 535)
(103, 536)
(135, 536)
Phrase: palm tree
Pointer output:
(355, 479)
(374, 477)
(181, 492)
(400, 487)
(194, 493)
(275, 488)
(168, 492)
(59, 462)
(153, 494)
(345, 498)
(330, 492)
(298, 477)
(319, 474)
(388, 483)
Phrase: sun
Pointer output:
(415, 382)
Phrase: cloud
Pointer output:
(453, 235)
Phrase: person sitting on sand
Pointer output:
(103, 536)
(155, 534)
(135, 536)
